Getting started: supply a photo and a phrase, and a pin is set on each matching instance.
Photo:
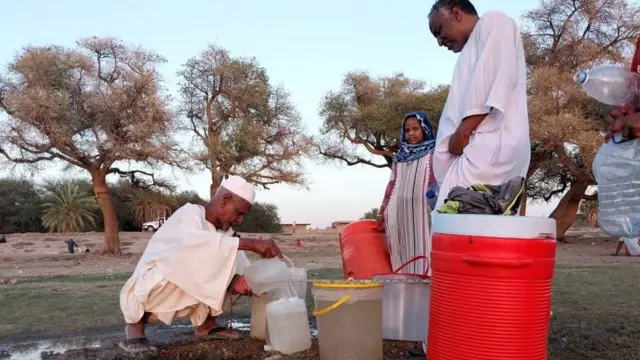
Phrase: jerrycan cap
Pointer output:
(580, 77)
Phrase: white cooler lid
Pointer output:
(513, 227)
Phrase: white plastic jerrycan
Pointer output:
(288, 325)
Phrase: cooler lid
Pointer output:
(513, 227)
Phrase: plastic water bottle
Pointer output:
(617, 164)
(432, 194)
(612, 85)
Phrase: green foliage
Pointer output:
(20, 209)
(68, 208)
(21, 205)
(371, 214)
(263, 218)
(362, 120)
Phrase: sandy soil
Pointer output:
(27, 255)
(46, 254)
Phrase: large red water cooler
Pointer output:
(490, 287)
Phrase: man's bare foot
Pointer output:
(210, 329)
(134, 331)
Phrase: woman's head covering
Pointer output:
(410, 152)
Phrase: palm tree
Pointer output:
(67, 208)
(149, 205)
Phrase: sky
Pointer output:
(307, 46)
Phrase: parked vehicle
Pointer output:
(153, 225)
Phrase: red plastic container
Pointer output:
(363, 249)
(490, 287)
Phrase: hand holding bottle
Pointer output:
(628, 126)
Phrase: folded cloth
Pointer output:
(501, 199)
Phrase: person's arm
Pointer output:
(265, 248)
(460, 139)
(493, 79)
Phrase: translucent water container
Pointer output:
(616, 168)
(266, 274)
(258, 317)
(288, 325)
(349, 319)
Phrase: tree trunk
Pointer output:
(216, 175)
(523, 205)
(567, 209)
(111, 235)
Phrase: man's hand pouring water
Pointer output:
(624, 120)
(265, 248)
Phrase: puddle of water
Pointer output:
(32, 350)
(246, 326)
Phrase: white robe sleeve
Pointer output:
(200, 262)
(494, 76)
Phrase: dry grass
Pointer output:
(595, 313)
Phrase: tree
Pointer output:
(187, 197)
(94, 107)
(241, 124)
(20, 206)
(371, 214)
(561, 37)
(68, 209)
(363, 119)
(263, 218)
(589, 209)
(149, 205)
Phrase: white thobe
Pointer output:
(185, 270)
(489, 78)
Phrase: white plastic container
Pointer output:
(258, 317)
(288, 325)
(266, 274)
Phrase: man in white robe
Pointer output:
(483, 134)
(190, 265)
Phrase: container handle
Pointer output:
(492, 261)
(414, 260)
(332, 307)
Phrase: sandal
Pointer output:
(221, 333)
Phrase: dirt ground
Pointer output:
(27, 255)
(76, 297)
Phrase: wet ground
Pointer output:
(173, 342)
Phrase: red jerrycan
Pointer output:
(363, 249)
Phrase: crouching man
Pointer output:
(190, 265)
